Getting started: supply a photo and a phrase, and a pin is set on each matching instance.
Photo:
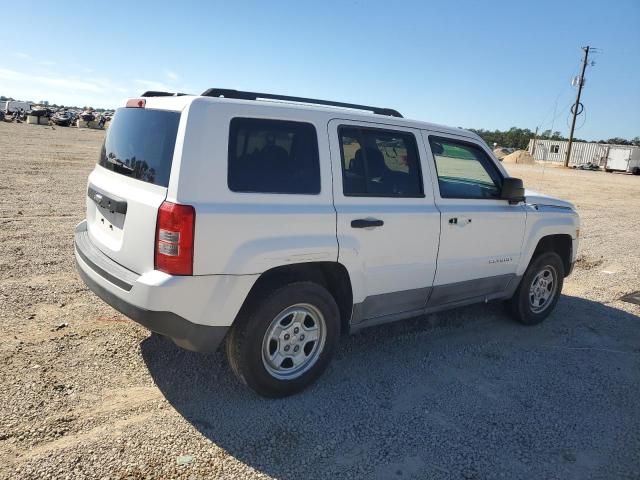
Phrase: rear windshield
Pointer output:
(140, 143)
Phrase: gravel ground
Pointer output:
(469, 394)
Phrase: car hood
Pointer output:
(535, 198)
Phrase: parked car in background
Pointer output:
(62, 118)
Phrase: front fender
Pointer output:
(543, 221)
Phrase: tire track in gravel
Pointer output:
(114, 428)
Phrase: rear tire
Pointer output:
(539, 290)
(284, 339)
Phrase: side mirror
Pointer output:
(512, 190)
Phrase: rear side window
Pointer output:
(140, 144)
(273, 156)
(379, 163)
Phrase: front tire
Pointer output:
(284, 339)
(539, 290)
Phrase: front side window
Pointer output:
(273, 156)
(379, 163)
(555, 148)
(464, 170)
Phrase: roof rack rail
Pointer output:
(154, 93)
(240, 95)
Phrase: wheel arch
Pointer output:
(331, 275)
(560, 243)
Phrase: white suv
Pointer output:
(277, 223)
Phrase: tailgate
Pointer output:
(129, 184)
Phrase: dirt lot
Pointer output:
(85, 393)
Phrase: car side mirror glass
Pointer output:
(512, 190)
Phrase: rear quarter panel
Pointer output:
(247, 233)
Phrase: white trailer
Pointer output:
(623, 159)
(11, 106)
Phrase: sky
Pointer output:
(475, 64)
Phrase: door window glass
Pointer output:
(464, 170)
(379, 163)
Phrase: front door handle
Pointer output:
(366, 223)
(462, 221)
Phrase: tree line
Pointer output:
(519, 137)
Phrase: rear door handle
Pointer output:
(366, 223)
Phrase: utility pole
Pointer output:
(574, 110)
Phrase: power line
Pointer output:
(557, 115)
(583, 113)
(554, 107)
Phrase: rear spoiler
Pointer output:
(154, 93)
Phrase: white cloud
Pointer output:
(102, 82)
(153, 85)
(63, 89)
(22, 55)
(82, 87)
(68, 83)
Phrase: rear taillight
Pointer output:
(174, 239)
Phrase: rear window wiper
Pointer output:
(121, 165)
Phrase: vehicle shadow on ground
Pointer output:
(435, 396)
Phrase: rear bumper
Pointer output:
(188, 335)
(195, 312)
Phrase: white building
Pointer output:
(555, 151)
